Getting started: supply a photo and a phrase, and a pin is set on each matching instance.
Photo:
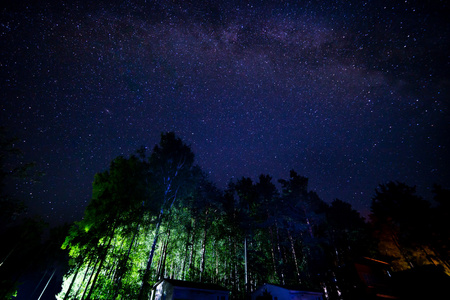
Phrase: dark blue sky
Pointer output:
(349, 94)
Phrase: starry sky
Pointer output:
(350, 94)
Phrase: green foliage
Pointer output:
(159, 216)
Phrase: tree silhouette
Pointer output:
(170, 165)
(401, 220)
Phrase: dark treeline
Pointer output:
(157, 215)
(30, 251)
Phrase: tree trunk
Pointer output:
(245, 267)
(186, 253)
(164, 255)
(235, 267)
(84, 277)
(280, 255)
(205, 233)
(192, 255)
(145, 286)
(161, 257)
(217, 266)
(272, 251)
(123, 264)
(90, 278)
(295, 256)
(172, 268)
(162, 260)
(114, 262)
(72, 281)
(103, 258)
(442, 257)
(400, 249)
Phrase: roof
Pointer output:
(296, 288)
(193, 285)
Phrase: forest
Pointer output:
(157, 215)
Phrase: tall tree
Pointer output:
(268, 213)
(20, 235)
(349, 241)
(170, 166)
(347, 230)
(400, 216)
(116, 205)
(304, 216)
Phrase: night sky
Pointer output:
(350, 94)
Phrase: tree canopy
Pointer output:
(158, 216)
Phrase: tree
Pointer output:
(131, 201)
(11, 168)
(170, 164)
(348, 231)
(400, 219)
(304, 218)
(268, 257)
(20, 236)
(160, 216)
(349, 241)
(116, 206)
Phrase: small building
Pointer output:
(171, 289)
(278, 292)
(375, 275)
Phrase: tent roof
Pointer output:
(193, 285)
(297, 288)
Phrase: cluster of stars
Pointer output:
(349, 95)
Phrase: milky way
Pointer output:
(348, 94)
